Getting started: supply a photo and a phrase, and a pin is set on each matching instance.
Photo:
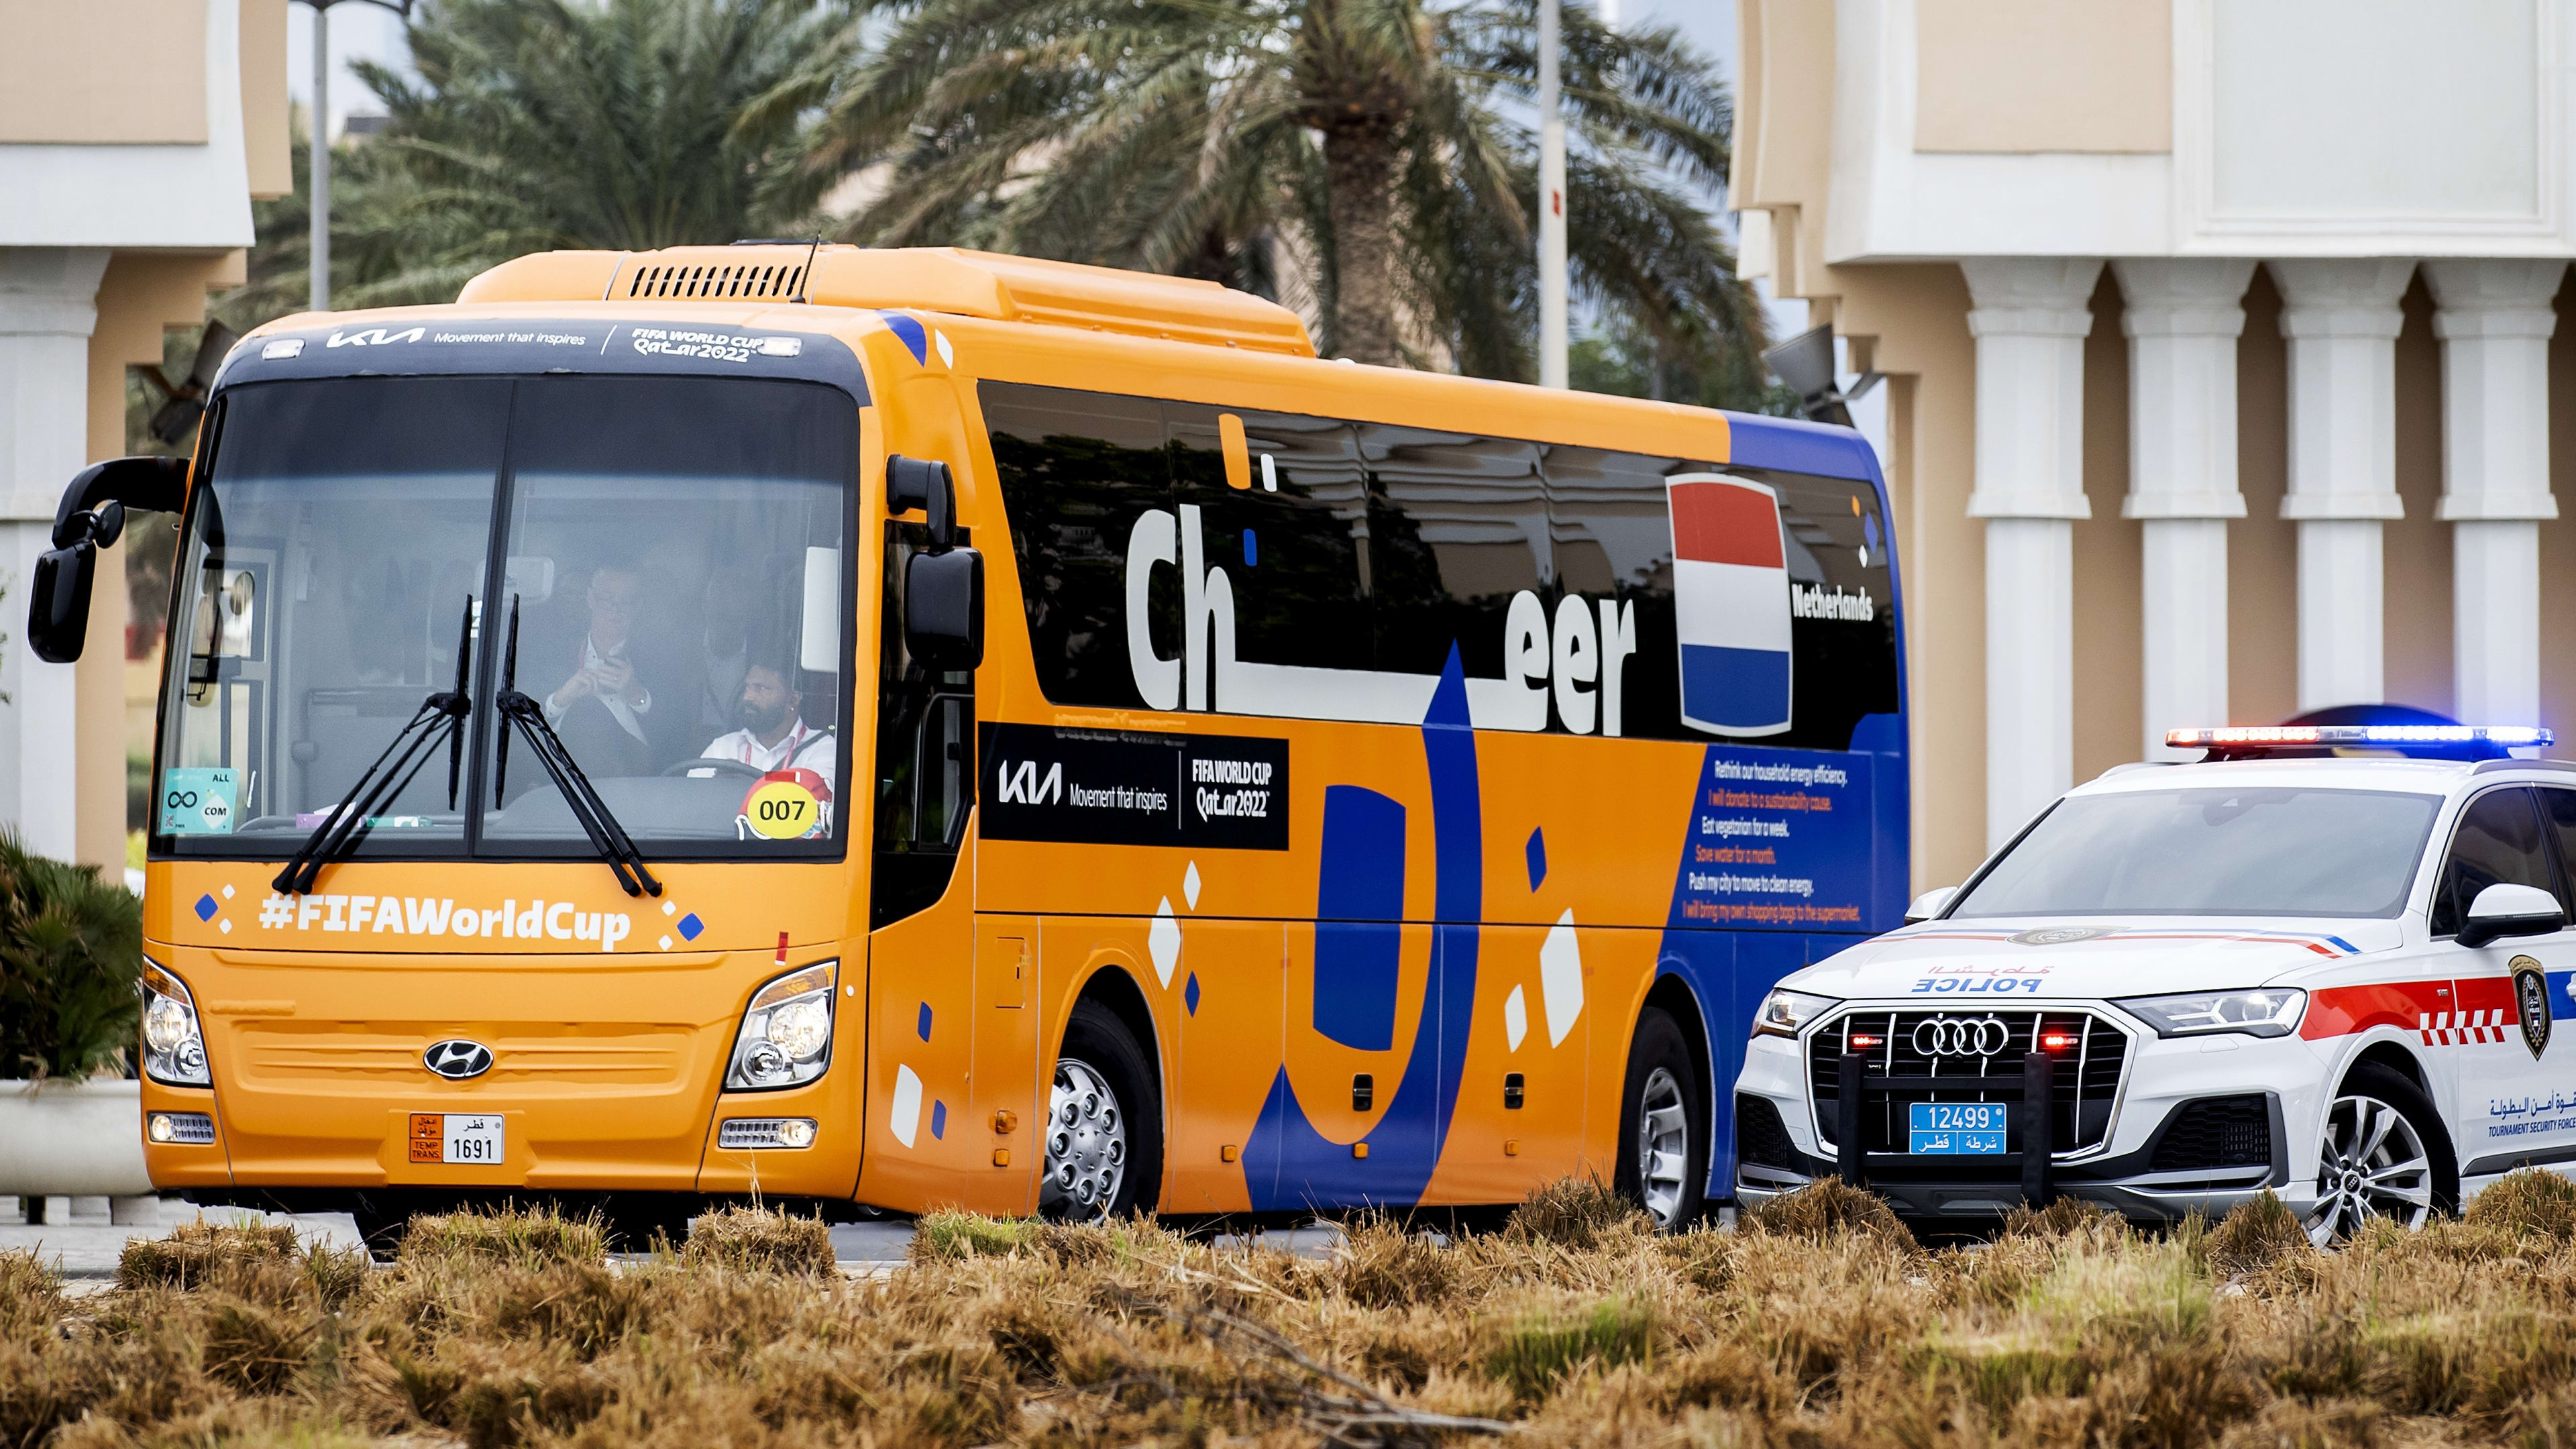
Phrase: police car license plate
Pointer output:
(1955, 1128)
(474, 1138)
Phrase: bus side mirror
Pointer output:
(943, 609)
(924, 483)
(91, 517)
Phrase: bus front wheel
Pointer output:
(1663, 1126)
(1104, 1123)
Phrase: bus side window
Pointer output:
(1457, 526)
(1291, 543)
(1077, 470)
(1613, 536)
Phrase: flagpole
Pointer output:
(321, 158)
(1551, 195)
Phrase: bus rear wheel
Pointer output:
(1663, 1126)
(1104, 1123)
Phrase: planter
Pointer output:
(72, 1139)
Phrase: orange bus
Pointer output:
(910, 728)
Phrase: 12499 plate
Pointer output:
(1955, 1128)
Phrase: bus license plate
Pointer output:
(1956, 1128)
(461, 1137)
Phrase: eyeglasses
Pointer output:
(623, 603)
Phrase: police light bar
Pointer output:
(2251, 738)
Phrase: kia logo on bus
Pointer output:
(1955, 1036)
(457, 1060)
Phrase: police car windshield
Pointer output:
(2215, 852)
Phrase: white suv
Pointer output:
(2329, 976)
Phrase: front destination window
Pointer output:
(664, 587)
(2224, 852)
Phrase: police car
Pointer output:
(2325, 960)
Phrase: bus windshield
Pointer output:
(658, 563)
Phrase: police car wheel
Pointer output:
(1103, 1128)
(2381, 1153)
(1663, 1132)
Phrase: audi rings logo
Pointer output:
(457, 1060)
(1960, 1036)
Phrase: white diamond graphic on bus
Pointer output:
(1560, 978)
(1163, 942)
(1515, 1018)
(905, 1120)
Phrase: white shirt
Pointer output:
(799, 748)
(628, 716)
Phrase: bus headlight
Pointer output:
(786, 1035)
(174, 1048)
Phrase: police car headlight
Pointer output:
(1786, 1013)
(2269, 1011)
(174, 1047)
(786, 1035)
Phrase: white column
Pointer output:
(2494, 322)
(2341, 318)
(2030, 318)
(48, 304)
(2182, 318)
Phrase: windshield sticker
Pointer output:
(788, 805)
(709, 346)
(417, 916)
(1980, 978)
(196, 801)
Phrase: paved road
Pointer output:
(83, 1245)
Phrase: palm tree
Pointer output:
(538, 124)
(1375, 151)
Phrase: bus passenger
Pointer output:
(601, 709)
(773, 735)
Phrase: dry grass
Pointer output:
(1823, 1324)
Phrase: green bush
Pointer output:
(71, 946)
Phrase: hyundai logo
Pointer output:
(1959, 1036)
(457, 1060)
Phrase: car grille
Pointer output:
(2082, 1091)
(2216, 1132)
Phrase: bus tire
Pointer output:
(1663, 1125)
(1104, 1123)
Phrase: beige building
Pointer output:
(2225, 378)
(134, 135)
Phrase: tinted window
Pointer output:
(1457, 529)
(2558, 812)
(1290, 544)
(2218, 852)
(2497, 842)
(1077, 470)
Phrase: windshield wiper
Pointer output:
(597, 821)
(441, 716)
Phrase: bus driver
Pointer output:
(773, 735)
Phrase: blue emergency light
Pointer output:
(2434, 741)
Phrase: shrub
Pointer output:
(201, 1253)
(529, 1239)
(1574, 1212)
(1383, 1266)
(1539, 1352)
(71, 947)
(1826, 1208)
(762, 1240)
(2256, 1234)
(948, 1235)
(2534, 1202)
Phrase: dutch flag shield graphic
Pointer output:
(1730, 604)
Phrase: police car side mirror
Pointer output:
(1929, 904)
(91, 517)
(943, 609)
(2511, 910)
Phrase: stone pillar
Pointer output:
(2030, 319)
(2341, 318)
(2182, 318)
(48, 304)
(2494, 322)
